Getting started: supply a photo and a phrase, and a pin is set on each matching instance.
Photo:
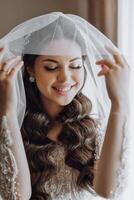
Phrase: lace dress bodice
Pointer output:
(62, 186)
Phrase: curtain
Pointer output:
(125, 41)
(103, 15)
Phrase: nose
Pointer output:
(64, 75)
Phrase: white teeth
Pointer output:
(63, 90)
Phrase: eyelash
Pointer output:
(50, 69)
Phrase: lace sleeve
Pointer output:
(8, 167)
(123, 170)
(100, 133)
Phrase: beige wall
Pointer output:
(13, 12)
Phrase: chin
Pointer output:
(64, 102)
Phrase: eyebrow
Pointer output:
(75, 59)
(55, 61)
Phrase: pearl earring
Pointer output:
(31, 79)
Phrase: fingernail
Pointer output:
(102, 65)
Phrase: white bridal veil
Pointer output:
(37, 36)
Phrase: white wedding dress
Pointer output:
(62, 186)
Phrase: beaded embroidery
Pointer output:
(63, 184)
(8, 167)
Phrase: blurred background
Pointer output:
(101, 13)
(112, 17)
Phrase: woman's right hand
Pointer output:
(8, 73)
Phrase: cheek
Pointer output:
(79, 77)
(44, 80)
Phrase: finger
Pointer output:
(121, 60)
(118, 59)
(105, 67)
(15, 69)
(107, 62)
(116, 55)
(125, 61)
(7, 65)
(103, 72)
(2, 51)
(2, 73)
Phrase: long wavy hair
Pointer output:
(78, 135)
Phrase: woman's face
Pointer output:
(58, 78)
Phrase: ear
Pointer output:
(30, 71)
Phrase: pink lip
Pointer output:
(63, 86)
(63, 92)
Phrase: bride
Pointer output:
(53, 144)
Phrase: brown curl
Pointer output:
(78, 134)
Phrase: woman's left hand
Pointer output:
(117, 76)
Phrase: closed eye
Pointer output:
(49, 68)
(55, 68)
(77, 67)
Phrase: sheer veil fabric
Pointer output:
(38, 35)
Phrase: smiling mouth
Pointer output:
(63, 91)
